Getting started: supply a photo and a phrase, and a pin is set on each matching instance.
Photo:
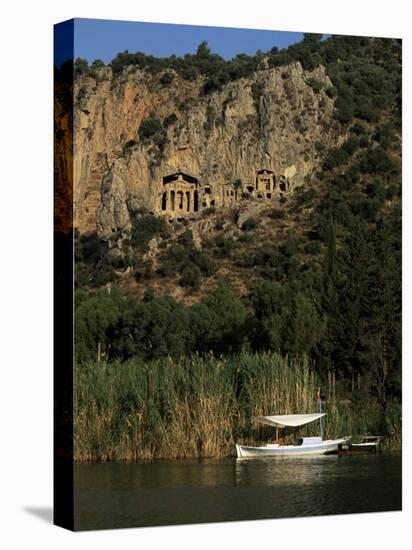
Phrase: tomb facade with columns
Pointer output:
(182, 196)
(179, 197)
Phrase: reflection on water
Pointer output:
(314, 470)
(286, 471)
(193, 491)
(157, 474)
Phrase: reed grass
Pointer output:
(197, 406)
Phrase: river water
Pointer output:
(196, 491)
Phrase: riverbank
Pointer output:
(201, 406)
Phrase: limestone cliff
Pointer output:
(275, 120)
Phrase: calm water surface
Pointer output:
(195, 491)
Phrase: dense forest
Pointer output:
(329, 293)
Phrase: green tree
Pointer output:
(145, 227)
(95, 316)
(306, 326)
(219, 322)
(354, 300)
(98, 64)
(203, 50)
(154, 328)
(383, 335)
(329, 305)
(285, 320)
(81, 67)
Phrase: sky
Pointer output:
(103, 39)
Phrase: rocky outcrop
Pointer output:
(273, 120)
(248, 211)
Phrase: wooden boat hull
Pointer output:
(317, 448)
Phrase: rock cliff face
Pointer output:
(274, 120)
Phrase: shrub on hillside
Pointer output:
(145, 227)
(250, 224)
(167, 78)
(149, 127)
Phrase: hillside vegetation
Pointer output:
(316, 275)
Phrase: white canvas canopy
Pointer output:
(288, 420)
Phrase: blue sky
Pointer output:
(103, 39)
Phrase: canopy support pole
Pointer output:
(321, 419)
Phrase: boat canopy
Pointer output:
(288, 420)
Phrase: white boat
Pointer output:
(302, 446)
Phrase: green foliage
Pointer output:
(337, 157)
(331, 92)
(313, 248)
(224, 246)
(376, 161)
(149, 127)
(81, 67)
(358, 128)
(304, 197)
(319, 294)
(98, 64)
(144, 271)
(191, 276)
(213, 84)
(145, 227)
(151, 329)
(285, 320)
(167, 78)
(95, 318)
(386, 135)
(92, 266)
(357, 67)
(246, 238)
(250, 224)
(345, 110)
(203, 51)
(158, 327)
(277, 214)
(275, 262)
(184, 259)
(315, 84)
(219, 322)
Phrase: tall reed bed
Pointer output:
(197, 406)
